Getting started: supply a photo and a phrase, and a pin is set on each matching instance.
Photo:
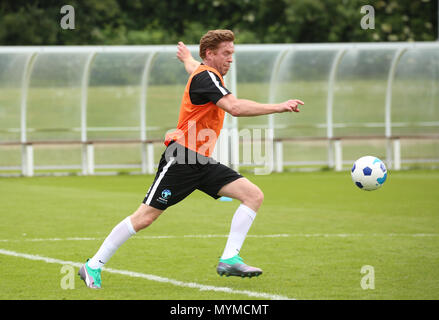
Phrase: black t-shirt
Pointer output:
(206, 87)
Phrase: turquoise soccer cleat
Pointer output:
(91, 277)
(235, 266)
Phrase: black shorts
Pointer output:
(181, 171)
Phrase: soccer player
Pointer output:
(187, 165)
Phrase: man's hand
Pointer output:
(185, 56)
(183, 52)
(290, 105)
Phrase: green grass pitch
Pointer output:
(312, 236)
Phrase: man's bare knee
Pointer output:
(259, 197)
(254, 199)
(245, 191)
(144, 216)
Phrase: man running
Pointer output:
(186, 164)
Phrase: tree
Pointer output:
(253, 21)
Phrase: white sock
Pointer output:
(241, 222)
(121, 233)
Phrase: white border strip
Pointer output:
(151, 277)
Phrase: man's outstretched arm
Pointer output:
(248, 108)
(185, 56)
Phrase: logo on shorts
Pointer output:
(166, 194)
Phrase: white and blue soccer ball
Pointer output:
(369, 173)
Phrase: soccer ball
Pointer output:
(369, 173)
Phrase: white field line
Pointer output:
(206, 236)
(151, 277)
